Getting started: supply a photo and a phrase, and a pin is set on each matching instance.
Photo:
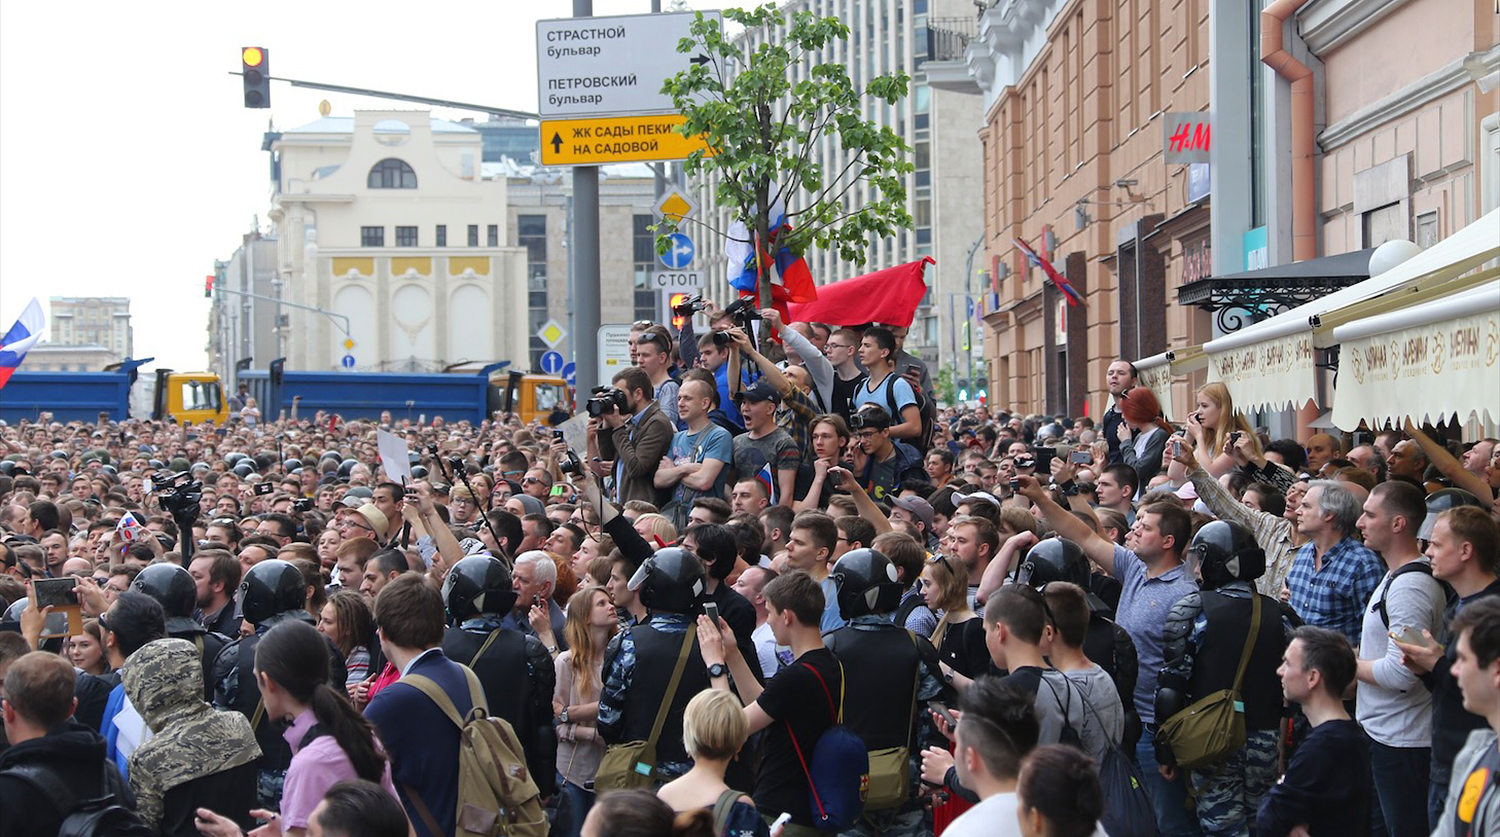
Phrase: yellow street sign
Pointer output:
(615, 139)
(348, 344)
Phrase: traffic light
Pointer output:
(208, 286)
(672, 303)
(256, 67)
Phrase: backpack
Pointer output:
(1127, 806)
(100, 817)
(839, 775)
(923, 442)
(1449, 594)
(496, 794)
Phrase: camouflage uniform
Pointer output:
(1228, 794)
(190, 739)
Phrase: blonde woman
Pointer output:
(656, 529)
(713, 731)
(590, 624)
(959, 637)
(1210, 424)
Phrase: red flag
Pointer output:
(889, 296)
(1057, 278)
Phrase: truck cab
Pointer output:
(194, 397)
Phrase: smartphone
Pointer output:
(711, 610)
(938, 708)
(1408, 635)
(1080, 457)
(55, 592)
(780, 823)
(557, 436)
(262, 488)
(1174, 448)
(1234, 437)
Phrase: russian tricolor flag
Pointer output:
(21, 337)
(1068, 291)
(767, 478)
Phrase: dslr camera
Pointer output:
(606, 400)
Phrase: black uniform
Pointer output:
(518, 679)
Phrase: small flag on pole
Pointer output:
(1057, 278)
(21, 337)
(767, 478)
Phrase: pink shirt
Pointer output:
(314, 769)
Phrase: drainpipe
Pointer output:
(1274, 55)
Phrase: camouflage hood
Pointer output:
(191, 739)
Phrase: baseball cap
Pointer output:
(980, 496)
(761, 390)
(917, 506)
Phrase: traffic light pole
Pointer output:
(402, 97)
(585, 257)
(335, 317)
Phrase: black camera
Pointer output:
(742, 311)
(606, 400)
(571, 464)
(179, 494)
(303, 505)
(722, 340)
(456, 465)
(690, 306)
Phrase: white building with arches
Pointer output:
(385, 219)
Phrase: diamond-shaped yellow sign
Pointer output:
(674, 205)
(551, 333)
(348, 344)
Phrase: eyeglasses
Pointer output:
(944, 560)
(530, 481)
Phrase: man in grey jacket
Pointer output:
(1473, 805)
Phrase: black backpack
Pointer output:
(1449, 594)
(101, 817)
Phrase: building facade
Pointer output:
(386, 226)
(943, 192)
(87, 333)
(1366, 134)
(243, 323)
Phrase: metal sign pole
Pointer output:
(586, 278)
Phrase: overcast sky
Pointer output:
(128, 162)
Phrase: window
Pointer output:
(406, 236)
(492, 235)
(372, 236)
(442, 235)
(473, 235)
(391, 173)
(531, 233)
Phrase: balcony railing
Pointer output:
(948, 36)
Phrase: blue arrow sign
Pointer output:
(570, 373)
(680, 254)
(552, 362)
(348, 361)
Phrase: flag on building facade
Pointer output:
(1057, 278)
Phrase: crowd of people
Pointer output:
(777, 569)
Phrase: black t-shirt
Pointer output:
(963, 648)
(1478, 784)
(843, 393)
(796, 702)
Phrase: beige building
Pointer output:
(385, 223)
(87, 333)
(943, 192)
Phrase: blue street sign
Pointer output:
(570, 373)
(552, 362)
(680, 254)
(348, 361)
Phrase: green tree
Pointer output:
(761, 128)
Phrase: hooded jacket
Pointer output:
(191, 740)
(76, 755)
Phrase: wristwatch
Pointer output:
(1069, 488)
(717, 670)
(563, 717)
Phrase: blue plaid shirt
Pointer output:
(1335, 596)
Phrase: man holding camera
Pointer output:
(638, 434)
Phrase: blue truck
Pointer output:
(116, 392)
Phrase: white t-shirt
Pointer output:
(994, 817)
(765, 649)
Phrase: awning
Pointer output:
(1427, 362)
(1270, 364)
(1156, 372)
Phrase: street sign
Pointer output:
(610, 66)
(677, 280)
(675, 205)
(552, 362)
(614, 350)
(551, 333)
(570, 373)
(598, 140)
(348, 345)
(348, 361)
(679, 254)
